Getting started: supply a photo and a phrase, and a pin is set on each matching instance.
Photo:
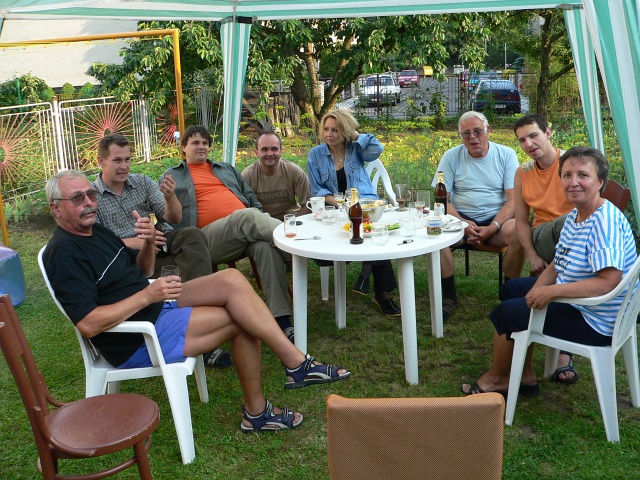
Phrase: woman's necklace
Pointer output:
(338, 160)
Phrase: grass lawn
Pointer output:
(558, 435)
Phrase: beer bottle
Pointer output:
(440, 196)
(355, 215)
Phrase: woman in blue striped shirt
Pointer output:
(595, 249)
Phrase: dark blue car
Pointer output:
(499, 95)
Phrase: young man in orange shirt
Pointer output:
(537, 187)
(216, 199)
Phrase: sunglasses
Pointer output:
(78, 197)
(477, 132)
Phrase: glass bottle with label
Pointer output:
(355, 215)
(440, 196)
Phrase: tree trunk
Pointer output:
(543, 90)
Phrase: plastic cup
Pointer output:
(290, 227)
(408, 227)
(329, 215)
(379, 234)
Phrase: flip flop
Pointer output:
(567, 368)
(475, 389)
(526, 390)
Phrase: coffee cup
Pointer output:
(316, 205)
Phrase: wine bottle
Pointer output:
(355, 215)
(440, 196)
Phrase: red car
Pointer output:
(408, 78)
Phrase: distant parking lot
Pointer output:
(415, 101)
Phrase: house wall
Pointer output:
(58, 64)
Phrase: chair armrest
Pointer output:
(150, 337)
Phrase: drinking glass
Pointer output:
(347, 197)
(379, 234)
(170, 271)
(424, 197)
(339, 198)
(418, 209)
(402, 194)
(329, 215)
(290, 227)
(408, 227)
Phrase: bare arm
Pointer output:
(523, 230)
(105, 317)
(542, 294)
(172, 206)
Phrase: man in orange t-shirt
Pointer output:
(216, 199)
(537, 187)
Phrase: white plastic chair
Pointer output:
(378, 174)
(102, 377)
(602, 358)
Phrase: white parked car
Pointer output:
(380, 89)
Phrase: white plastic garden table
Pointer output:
(335, 246)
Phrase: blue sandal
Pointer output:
(307, 373)
(267, 421)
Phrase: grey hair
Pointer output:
(472, 114)
(52, 189)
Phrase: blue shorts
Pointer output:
(171, 328)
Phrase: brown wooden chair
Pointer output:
(482, 248)
(87, 428)
(415, 438)
(617, 194)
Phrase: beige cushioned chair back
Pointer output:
(415, 438)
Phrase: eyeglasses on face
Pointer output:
(477, 132)
(78, 197)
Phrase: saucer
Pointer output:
(455, 227)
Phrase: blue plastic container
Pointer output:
(11, 275)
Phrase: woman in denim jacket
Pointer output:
(338, 165)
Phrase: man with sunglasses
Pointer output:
(100, 283)
(120, 193)
(479, 177)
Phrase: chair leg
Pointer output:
(142, 460)
(550, 361)
(113, 387)
(604, 375)
(521, 344)
(176, 386)
(201, 379)
(324, 282)
(500, 278)
(630, 355)
(466, 262)
(96, 382)
(255, 273)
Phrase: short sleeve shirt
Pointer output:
(478, 185)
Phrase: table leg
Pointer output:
(300, 271)
(340, 284)
(409, 330)
(435, 293)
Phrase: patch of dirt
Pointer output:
(40, 223)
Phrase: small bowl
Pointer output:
(372, 209)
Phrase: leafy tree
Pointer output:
(292, 50)
(32, 90)
(547, 50)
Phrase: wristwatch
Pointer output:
(497, 224)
